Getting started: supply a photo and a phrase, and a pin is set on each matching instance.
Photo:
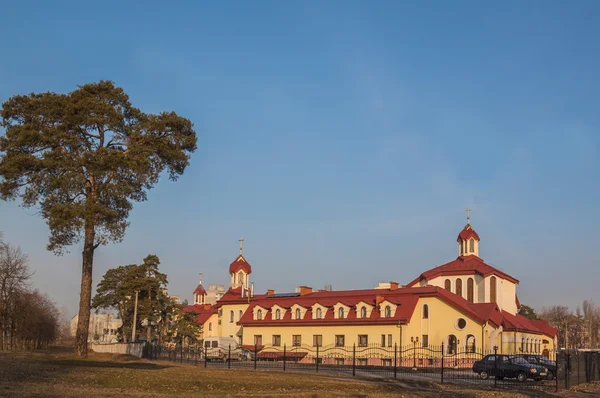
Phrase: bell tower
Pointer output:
(468, 240)
(240, 270)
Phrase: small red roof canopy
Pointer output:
(240, 263)
(467, 233)
(200, 290)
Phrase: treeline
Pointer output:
(576, 329)
(158, 317)
(28, 319)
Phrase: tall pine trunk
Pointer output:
(85, 298)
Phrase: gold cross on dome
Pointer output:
(241, 243)
(468, 215)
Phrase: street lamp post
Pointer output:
(134, 317)
(414, 340)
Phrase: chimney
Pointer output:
(252, 290)
(393, 285)
(270, 292)
(304, 290)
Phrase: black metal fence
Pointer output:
(467, 366)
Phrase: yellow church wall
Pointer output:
(228, 327)
(210, 328)
(328, 333)
(442, 323)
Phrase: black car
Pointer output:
(510, 366)
(543, 361)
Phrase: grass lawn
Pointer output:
(56, 372)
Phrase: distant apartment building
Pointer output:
(103, 327)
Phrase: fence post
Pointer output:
(284, 354)
(181, 353)
(317, 360)
(229, 357)
(578, 372)
(557, 365)
(354, 360)
(442, 382)
(255, 354)
(495, 366)
(196, 354)
(395, 359)
(188, 354)
(205, 356)
(567, 366)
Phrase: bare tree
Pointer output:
(14, 279)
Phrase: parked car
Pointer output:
(510, 366)
(543, 361)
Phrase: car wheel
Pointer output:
(521, 377)
(483, 375)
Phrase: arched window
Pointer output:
(209, 326)
(493, 289)
(241, 313)
(278, 314)
(298, 313)
(319, 313)
(472, 245)
(425, 311)
(341, 313)
(470, 343)
(452, 345)
(470, 293)
(388, 311)
(240, 277)
(448, 285)
(459, 287)
(363, 312)
(231, 316)
(259, 315)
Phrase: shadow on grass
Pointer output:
(77, 363)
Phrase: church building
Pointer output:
(465, 304)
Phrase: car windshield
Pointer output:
(519, 360)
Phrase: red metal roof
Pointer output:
(463, 265)
(467, 233)
(203, 311)
(519, 323)
(240, 263)
(405, 299)
(200, 290)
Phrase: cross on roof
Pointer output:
(241, 244)
(468, 215)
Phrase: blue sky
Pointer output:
(342, 140)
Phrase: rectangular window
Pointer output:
(363, 340)
(339, 361)
(318, 360)
(258, 339)
(362, 362)
(296, 340)
(317, 340)
(389, 340)
(386, 362)
(383, 340)
(340, 340)
(207, 344)
(276, 339)
(425, 341)
(215, 344)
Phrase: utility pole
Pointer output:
(134, 317)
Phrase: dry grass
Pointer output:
(55, 372)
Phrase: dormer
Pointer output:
(298, 312)
(387, 309)
(363, 310)
(277, 312)
(318, 311)
(340, 311)
(259, 313)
